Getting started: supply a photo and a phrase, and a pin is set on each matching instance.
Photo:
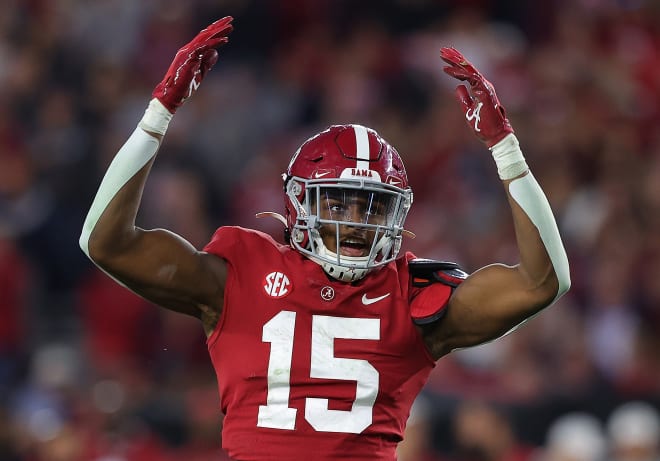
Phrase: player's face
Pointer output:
(351, 206)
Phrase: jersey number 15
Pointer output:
(279, 332)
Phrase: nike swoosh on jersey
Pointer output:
(366, 301)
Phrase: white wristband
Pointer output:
(156, 118)
(509, 158)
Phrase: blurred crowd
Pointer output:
(91, 372)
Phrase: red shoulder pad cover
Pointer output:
(433, 283)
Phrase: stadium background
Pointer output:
(90, 372)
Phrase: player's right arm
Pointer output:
(157, 264)
(497, 298)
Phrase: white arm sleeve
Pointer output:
(133, 155)
(528, 194)
(136, 152)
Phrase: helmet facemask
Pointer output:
(349, 227)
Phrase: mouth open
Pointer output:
(353, 247)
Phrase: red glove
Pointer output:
(483, 111)
(191, 64)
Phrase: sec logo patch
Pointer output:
(277, 285)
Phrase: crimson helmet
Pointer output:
(349, 179)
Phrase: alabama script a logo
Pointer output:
(473, 114)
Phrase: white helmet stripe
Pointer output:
(362, 147)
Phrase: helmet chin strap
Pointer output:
(341, 272)
(334, 270)
(271, 214)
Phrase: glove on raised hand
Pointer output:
(191, 63)
(483, 111)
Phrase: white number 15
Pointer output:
(277, 414)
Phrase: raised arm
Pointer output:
(497, 298)
(157, 264)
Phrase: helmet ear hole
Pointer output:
(298, 236)
(296, 188)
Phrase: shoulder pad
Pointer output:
(428, 271)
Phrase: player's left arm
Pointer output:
(497, 298)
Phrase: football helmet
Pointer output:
(346, 200)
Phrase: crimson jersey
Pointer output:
(311, 368)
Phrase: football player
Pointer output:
(321, 345)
